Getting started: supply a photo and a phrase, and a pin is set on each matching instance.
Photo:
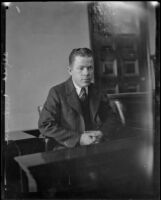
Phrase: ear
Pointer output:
(69, 70)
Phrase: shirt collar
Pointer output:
(78, 89)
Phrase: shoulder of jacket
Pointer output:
(57, 88)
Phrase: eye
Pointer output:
(81, 68)
(90, 68)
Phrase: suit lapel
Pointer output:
(72, 97)
(94, 100)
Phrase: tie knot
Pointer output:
(83, 90)
(83, 94)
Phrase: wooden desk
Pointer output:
(17, 135)
(109, 168)
(18, 143)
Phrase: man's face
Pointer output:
(82, 70)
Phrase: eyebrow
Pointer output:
(86, 66)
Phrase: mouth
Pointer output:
(86, 79)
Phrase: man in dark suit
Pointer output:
(76, 112)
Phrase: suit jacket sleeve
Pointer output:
(49, 122)
(111, 121)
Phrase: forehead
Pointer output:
(83, 60)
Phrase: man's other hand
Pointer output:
(90, 137)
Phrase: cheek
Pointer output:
(76, 77)
(77, 74)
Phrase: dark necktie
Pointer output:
(83, 94)
(85, 109)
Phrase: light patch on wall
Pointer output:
(7, 4)
(18, 9)
(154, 3)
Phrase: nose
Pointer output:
(86, 71)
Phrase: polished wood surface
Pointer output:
(110, 168)
(32, 160)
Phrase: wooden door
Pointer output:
(119, 39)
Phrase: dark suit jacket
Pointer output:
(61, 117)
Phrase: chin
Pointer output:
(86, 84)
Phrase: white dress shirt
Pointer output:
(78, 89)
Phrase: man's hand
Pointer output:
(90, 137)
(97, 134)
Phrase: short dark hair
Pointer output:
(84, 52)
